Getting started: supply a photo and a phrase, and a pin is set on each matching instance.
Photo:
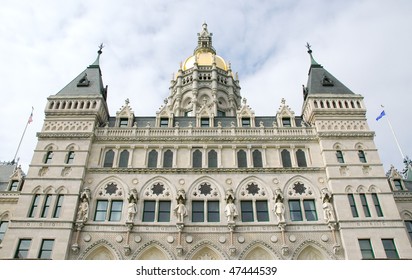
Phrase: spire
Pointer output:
(321, 81)
(204, 41)
(99, 52)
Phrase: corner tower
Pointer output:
(204, 83)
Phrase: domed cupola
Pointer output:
(204, 80)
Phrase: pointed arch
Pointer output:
(406, 215)
(62, 190)
(361, 189)
(49, 190)
(374, 189)
(100, 250)
(159, 179)
(207, 179)
(259, 250)
(206, 250)
(312, 250)
(153, 250)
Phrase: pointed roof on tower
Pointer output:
(321, 81)
(87, 83)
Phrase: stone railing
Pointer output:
(204, 132)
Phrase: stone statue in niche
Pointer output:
(132, 206)
(328, 211)
(180, 211)
(83, 210)
(230, 209)
(279, 207)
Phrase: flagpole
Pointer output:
(394, 136)
(22, 136)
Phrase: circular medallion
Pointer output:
(137, 239)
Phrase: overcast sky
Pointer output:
(364, 44)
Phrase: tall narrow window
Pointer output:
(34, 206)
(213, 214)
(101, 210)
(362, 157)
(152, 161)
(286, 122)
(116, 210)
(58, 207)
(408, 225)
(164, 211)
(197, 159)
(124, 159)
(286, 161)
(48, 158)
(3, 228)
(46, 206)
(301, 159)
(46, 249)
(22, 249)
(366, 249)
(339, 156)
(377, 205)
(246, 208)
(352, 205)
(365, 205)
(390, 249)
(70, 157)
(168, 159)
(212, 159)
(108, 159)
(241, 159)
(257, 158)
(262, 213)
(295, 210)
(310, 210)
(198, 214)
(149, 211)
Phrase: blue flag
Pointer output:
(381, 115)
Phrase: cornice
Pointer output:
(85, 135)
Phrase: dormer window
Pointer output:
(14, 186)
(123, 122)
(164, 122)
(204, 122)
(397, 184)
(286, 122)
(245, 122)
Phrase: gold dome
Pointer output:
(204, 59)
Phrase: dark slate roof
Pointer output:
(6, 170)
(321, 81)
(89, 85)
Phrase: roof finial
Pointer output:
(308, 46)
(101, 46)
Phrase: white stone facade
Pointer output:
(204, 148)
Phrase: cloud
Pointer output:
(45, 44)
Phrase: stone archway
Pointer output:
(206, 254)
(101, 253)
(153, 253)
(311, 253)
(258, 253)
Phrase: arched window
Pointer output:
(212, 159)
(168, 159)
(152, 161)
(3, 228)
(108, 159)
(124, 158)
(362, 157)
(339, 156)
(257, 158)
(48, 158)
(286, 161)
(197, 159)
(301, 159)
(241, 159)
(70, 157)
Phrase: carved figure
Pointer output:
(280, 211)
(131, 210)
(180, 211)
(328, 212)
(83, 211)
(230, 210)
